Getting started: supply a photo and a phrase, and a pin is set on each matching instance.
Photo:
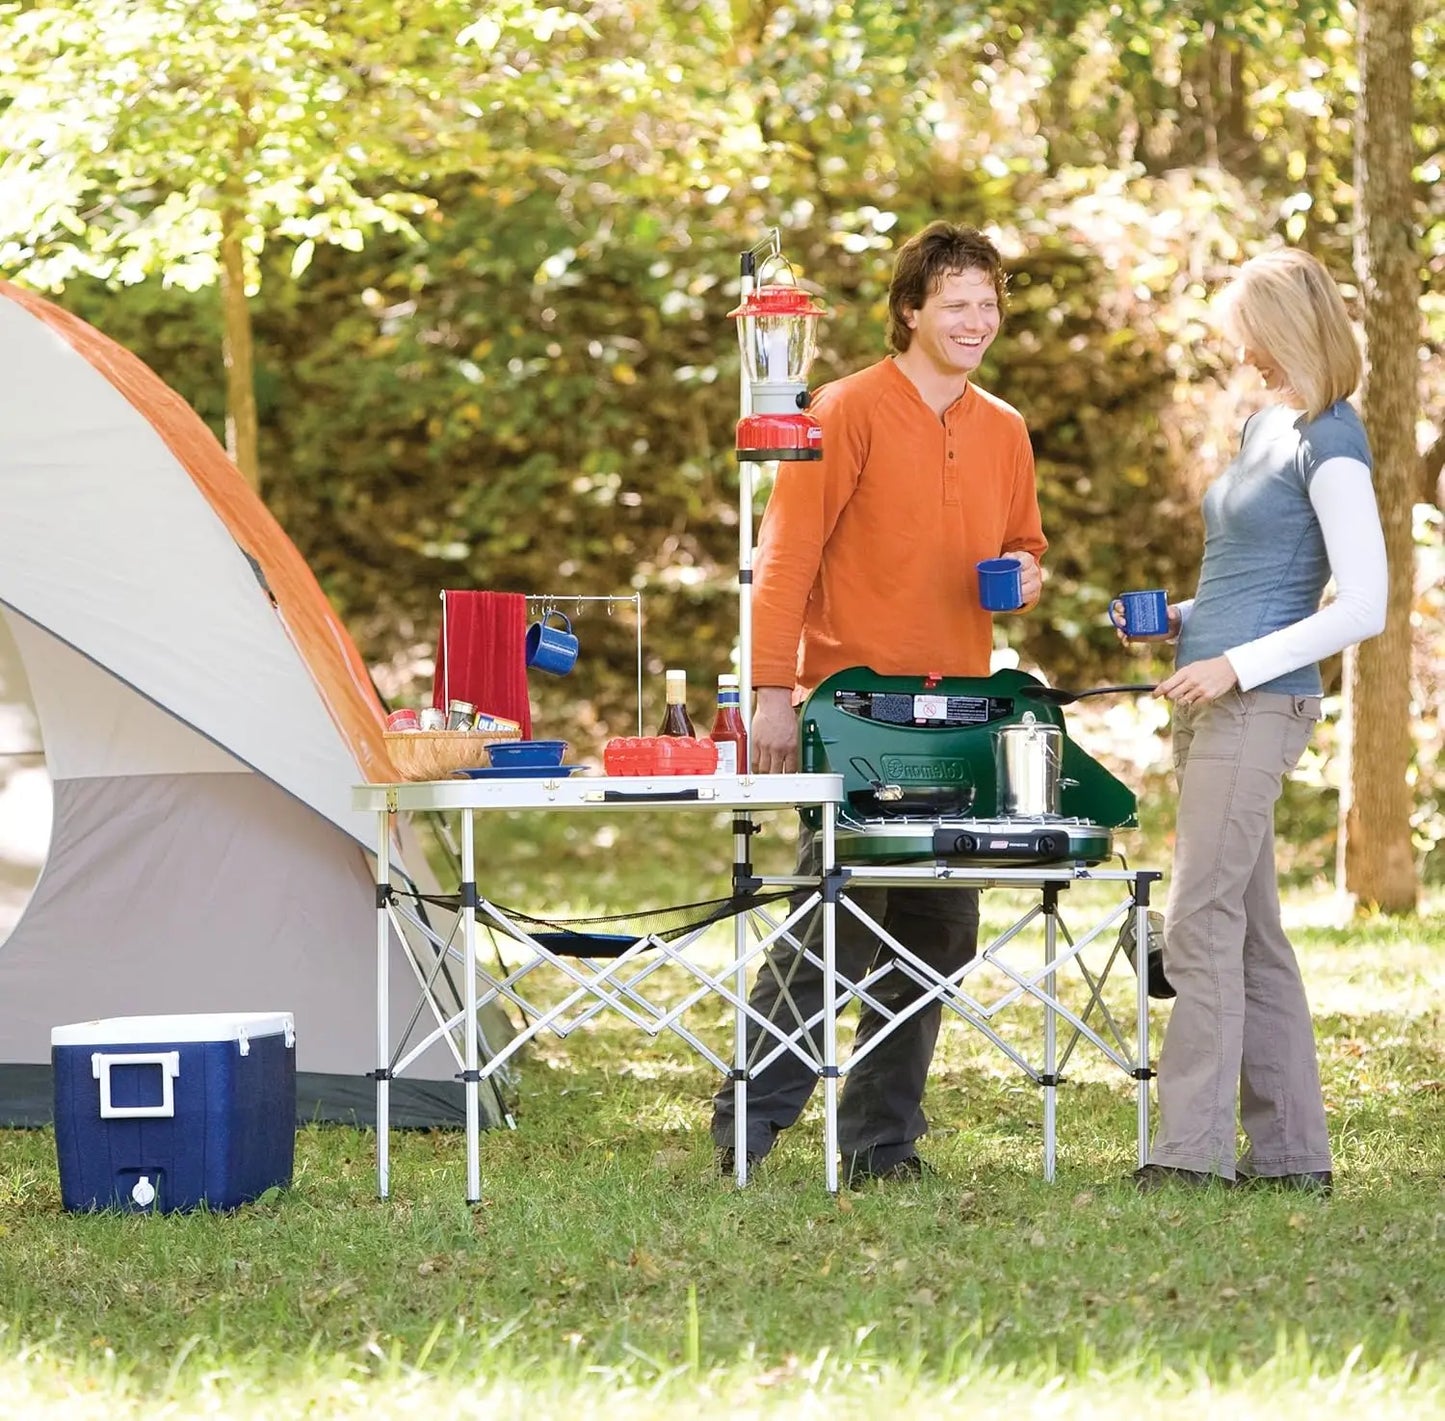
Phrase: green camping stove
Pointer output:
(920, 780)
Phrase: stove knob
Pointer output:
(965, 844)
(1052, 845)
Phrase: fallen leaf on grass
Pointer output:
(645, 1265)
(774, 1375)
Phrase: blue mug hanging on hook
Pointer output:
(552, 649)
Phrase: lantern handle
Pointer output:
(766, 247)
(773, 261)
(764, 254)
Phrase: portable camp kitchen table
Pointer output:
(617, 982)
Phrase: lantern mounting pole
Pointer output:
(777, 339)
(748, 266)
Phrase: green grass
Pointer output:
(609, 1271)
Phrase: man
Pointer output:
(866, 558)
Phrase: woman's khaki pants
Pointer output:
(1240, 1028)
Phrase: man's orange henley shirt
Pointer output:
(867, 556)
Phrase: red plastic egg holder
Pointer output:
(659, 755)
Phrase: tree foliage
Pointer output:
(499, 245)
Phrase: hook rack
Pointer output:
(540, 603)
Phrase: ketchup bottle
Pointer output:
(729, 732)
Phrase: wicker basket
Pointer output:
(435, 754)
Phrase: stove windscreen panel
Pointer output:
(929, 709)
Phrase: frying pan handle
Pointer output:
(1057, 696)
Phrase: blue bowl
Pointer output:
(530, 754)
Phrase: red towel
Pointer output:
(482, 654)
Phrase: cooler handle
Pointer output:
(168, 1061)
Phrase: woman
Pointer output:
(1295, 508)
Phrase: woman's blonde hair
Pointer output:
(1284, 305)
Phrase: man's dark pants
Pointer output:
(880, 1114)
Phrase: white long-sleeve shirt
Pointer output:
(1343, 500)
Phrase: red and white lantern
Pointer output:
(778, 334)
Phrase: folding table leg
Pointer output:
(1050, 1076)
(383, 1010)
(740, 1052)
(472, 1078)
(1143, 1072)
(830, 1006)
(742, 828)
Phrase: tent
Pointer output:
(203, 716)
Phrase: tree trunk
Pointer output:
(1432, 474)
(1313, 181)
(236, 349)
(1236, 121)
(1056, 119)
(1376, 856)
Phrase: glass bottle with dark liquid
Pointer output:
(675, 719)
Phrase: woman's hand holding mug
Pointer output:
(1145, 617)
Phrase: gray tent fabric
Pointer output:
(24, 787)
(198, 890)
(202, 717)
(247, 883)
(255, 904)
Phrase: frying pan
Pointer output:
(893, 800)
(1057, 696)
(916, 799)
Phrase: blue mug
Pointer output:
(1000, 584)
(551, 649)
(1141, 614)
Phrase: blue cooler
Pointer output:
(158, 1114)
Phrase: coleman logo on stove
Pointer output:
(904, 769)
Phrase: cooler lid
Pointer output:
(195, 1026)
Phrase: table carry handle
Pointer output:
(170, 1064)
(662, 797)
